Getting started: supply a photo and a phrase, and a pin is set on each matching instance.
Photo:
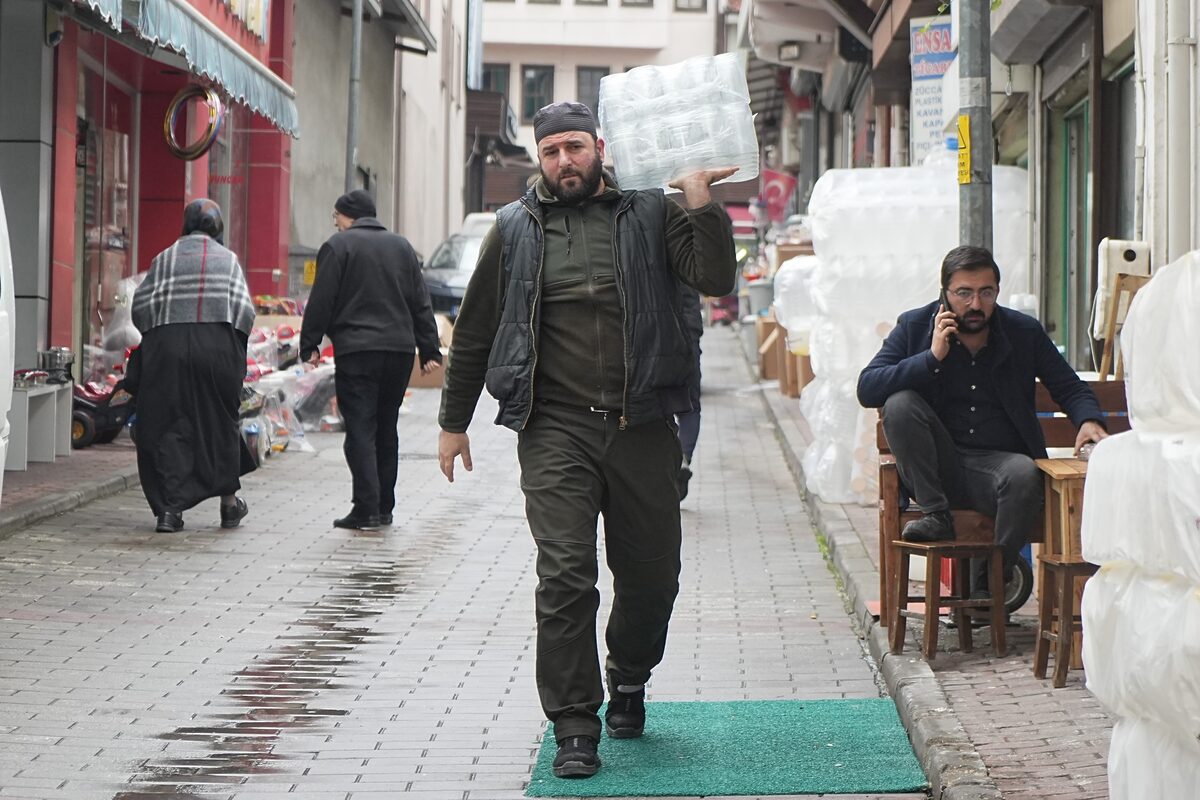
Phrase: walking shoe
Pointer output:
(685, 475)
(577, 758)
(356, 523)
(169, 522)
(232, 516)
(625, 717)
(385, 520)
(936, 526)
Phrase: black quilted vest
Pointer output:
(658, 364)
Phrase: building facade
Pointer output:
(93, 187)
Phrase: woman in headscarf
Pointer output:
(195, 315)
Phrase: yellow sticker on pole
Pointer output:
(964, 148)
(310, 272)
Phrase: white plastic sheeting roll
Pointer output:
(1161, 347)
(1142, 502)
(1147, 761)
(794, 307)
(1141, 645)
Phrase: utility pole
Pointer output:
(356, 15)
(975, 141)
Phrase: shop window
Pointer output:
(537, 90)
(228, 176)
(587, 86)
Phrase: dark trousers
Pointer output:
(370, 388)
(942, 475)
(575, 467)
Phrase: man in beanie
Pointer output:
(370, 299)
(572, 320)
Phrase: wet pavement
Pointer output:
(291, 659)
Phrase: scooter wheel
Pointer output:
(83, 430)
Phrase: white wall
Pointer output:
(432, 130)
(322, 82)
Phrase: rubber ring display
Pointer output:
(216, 116)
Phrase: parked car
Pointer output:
(449, 269)
(8, 322)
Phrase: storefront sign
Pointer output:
(932, 52)
(252, 13)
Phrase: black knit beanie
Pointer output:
(356, 204)
(563, 117)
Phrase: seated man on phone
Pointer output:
(955, 384)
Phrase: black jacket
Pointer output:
(369, 295)
(1024, 354)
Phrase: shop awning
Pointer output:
(108, 10)
(175, 25)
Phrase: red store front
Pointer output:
(120, 181)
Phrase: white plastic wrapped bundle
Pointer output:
(1160, 532)
(663, 122)
(864, 472)
(1141, 646)
(835, 420)
(1161, 346)
(840, 348)
(1146, 760)
(794, 307)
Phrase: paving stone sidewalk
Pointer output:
(984, 727)
(290, 659)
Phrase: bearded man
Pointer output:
(955, 382)
(572, 319)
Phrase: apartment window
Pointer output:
(537, 90)
(495, 78)
(691, 5)
(587, 86)
(591, 2)
(638, 3)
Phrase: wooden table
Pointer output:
(1064, 518)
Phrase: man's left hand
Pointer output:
(314, 357)
(1090, 431)
(432, 365)
(695, 185)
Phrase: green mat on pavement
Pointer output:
(748, 748)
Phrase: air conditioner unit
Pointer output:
(1115, 256)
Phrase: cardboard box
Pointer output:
(768, 353)
(786, 252)
(432, 380)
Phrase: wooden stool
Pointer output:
(958, 603)
(1056, 603)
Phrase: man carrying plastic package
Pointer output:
(955, 381)
(572, 320)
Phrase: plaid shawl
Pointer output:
(193, 280)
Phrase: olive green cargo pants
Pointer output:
(575, 466)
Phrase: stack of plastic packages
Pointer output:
(880, 236)
(660, 123)
(1141, 523)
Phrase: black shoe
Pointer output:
(577, 758)
(357, 523)
(936, 526)
(169, 522)
(232, 516)
(685, 475)
(625, 717)
(385, 520)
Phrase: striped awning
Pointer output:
(108, 10)
(209, 52)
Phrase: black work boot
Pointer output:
(577, 757)
(936, 526)
(625, 717)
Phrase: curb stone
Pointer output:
(51, 505)
(954, 768)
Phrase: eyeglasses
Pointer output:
(986, 294)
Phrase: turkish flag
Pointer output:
(777, 190)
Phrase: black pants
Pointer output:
(942, 475)
(370, 388)
(576, 466)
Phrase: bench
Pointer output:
(971, 526)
